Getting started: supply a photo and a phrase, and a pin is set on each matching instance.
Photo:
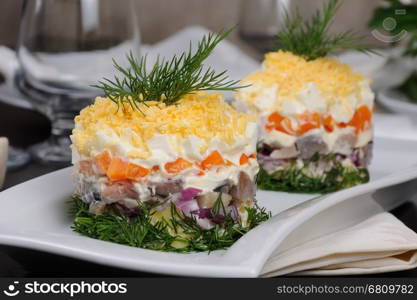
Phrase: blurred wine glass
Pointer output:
(260, 21)
(64, 47)
(17, 157)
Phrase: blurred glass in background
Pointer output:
(64, 47)
(260, 21)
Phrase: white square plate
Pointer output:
(35, 215)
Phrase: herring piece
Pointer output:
(284, 153)
(208, 200)
(345, 143)
(166, 188)
(118, 190)
(311, 144)
(245, 190)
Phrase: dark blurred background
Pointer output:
(160, 18)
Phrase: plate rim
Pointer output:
(384, 98)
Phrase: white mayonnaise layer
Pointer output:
(214, 178)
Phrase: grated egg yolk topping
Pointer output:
(201, 114)
(292, 73)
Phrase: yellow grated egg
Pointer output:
(292, 73)
(204, 115)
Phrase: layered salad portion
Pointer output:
(193, 154)
(315, 121)
(162, 164)
(315, 117)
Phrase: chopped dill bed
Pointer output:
(180, 234)
(296, 180)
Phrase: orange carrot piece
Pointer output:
(305, 128)
(342, 125)
(135, 171)
(275, 118)
(244, 159)
(177, 166)
(214, 159)
(308, 121)
(361, 119)
(253, 155)
(229, 163)
(328, 123)
(117, 169)
(103, 161)
(280, 123)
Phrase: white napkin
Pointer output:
(379, 244)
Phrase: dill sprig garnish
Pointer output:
(180, 233)
(311, 39)
(168, 80)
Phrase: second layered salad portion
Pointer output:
(315, 120)
(198, 154)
